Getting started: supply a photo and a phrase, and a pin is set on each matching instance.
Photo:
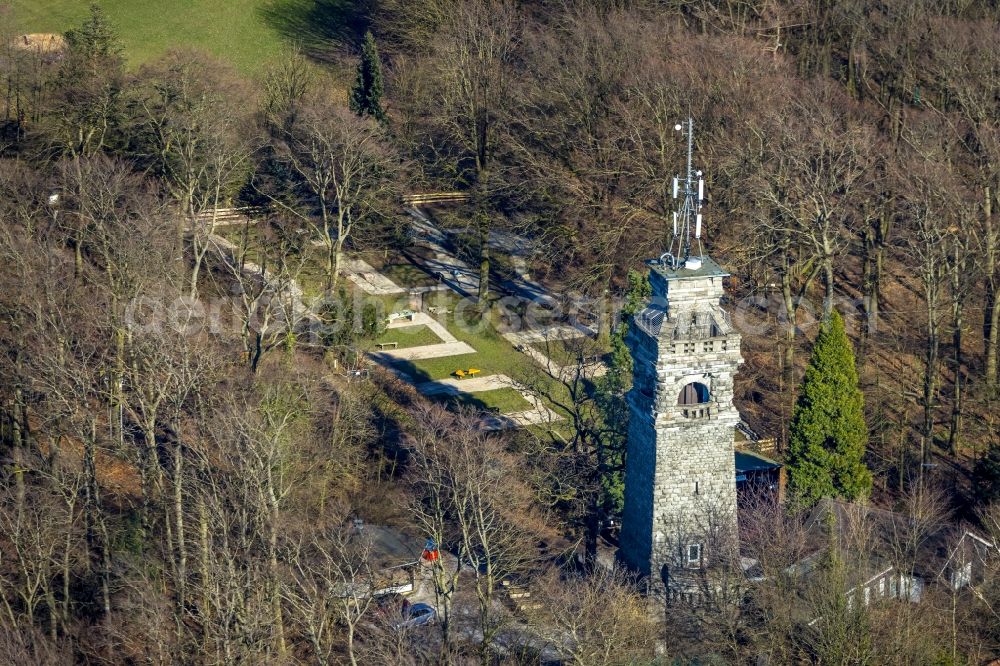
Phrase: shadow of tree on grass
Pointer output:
(454, 401)
(323, 29)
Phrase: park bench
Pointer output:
(462, 374)
(387, 345)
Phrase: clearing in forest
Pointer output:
(249, 34)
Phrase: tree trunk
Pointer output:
(256, 352)
(930, 381)
(788, 364)
(958, 269)
(867, 287)
(146, 473)
(18, 420)
(484, 263)
(181, 581)
(77, 257)
(878, 266)
(272, 546)
(991, 311)
(827, 281)
(206, 598)
(350, 644)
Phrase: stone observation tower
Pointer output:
(680, 478)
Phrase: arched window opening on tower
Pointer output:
(693, 401)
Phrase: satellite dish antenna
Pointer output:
(690, 193)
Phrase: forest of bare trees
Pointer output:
(184, 464)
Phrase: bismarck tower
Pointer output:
(680, 479)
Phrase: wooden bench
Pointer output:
(387, 345)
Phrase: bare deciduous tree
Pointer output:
(348, 172)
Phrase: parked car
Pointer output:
(416, 615)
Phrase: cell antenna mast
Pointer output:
(690, 191)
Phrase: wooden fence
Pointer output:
(428, 198)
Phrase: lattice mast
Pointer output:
(690, 194)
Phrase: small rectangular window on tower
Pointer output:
(694, 555)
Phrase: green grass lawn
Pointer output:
(407, 275)
(568, 352)
(246, 33)
(409, 336)
(505, 401)
(398, 269)
(494, 355)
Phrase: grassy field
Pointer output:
(505, 401)
(399, 270)
(409, 336)
(568, 352)
(494, 355)
(247, 33)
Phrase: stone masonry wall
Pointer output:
(680, 477)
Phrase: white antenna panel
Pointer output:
(701, 190)
(675, 187)
(675, 223)
(697, 226)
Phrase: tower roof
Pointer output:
(708, 268)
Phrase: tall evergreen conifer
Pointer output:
(610, 399)
(366, 95)
(95, 40)
(828, 435)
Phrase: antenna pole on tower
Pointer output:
(690, 149)
(687, 217)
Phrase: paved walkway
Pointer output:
(538, 413)
(454, 386)
(552, 333)
(451, 270)
(361, 273)
(523, 341)
(424, 351)
(449, 346)
(464, 280)
(424, 319)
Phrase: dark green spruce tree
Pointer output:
(610, 399)
(828, 435)
(366, 95)
(95, 40)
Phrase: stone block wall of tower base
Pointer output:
(680, 489)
